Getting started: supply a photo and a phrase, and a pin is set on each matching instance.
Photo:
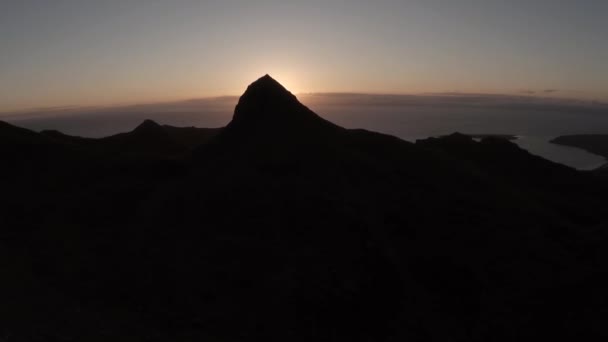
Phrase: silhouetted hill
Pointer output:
(24, 150)
(10, 134)
(148, 140)
(67, 139)
(285, 227)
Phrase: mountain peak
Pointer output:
(148, 126)
(266, 88)
(266, 104)
(267, 78)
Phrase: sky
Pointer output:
(90, 52)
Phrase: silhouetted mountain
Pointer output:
(285, 227)
(267, 105)
(270, 118)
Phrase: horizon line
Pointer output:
(521, 95)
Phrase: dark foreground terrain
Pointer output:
(285, 227)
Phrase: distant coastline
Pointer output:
(592, 143)
(584, 152)
(499, 136)
(509, 137)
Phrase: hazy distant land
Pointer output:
(496, 136)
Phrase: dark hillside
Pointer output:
(285, 227)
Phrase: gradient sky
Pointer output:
(92, 52)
